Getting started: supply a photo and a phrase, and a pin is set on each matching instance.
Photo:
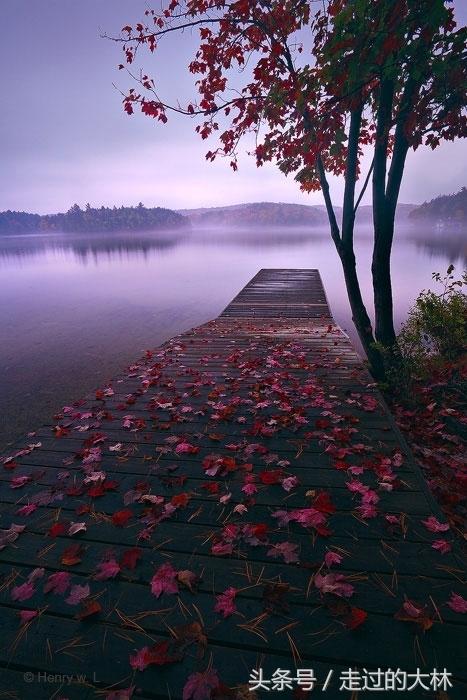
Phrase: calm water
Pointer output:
(75, 309)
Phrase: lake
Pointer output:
(75, 309)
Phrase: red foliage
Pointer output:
(303, 112)
(434, 424)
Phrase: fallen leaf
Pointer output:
(434, 525)
(442, 546)
(107, 569)
(26, 616)
(188, 579)
(335, 584)
(72, 555)
(200, 685)
(457, 603)
(76, 527)
(164, 580)
(121, 517)
(22, 592)
(90, 607)
(355, 618)
(58, 583)
(57, 529)
(225, 602)
(130, 558)
(78, 593)
(287, 550)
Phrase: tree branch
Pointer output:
(365, 185)
(335, 233)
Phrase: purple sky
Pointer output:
(64, 137)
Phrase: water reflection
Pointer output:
(105, 247)
(89, 247)
(450, 248)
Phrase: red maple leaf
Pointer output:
(212, 486)
(180, 500)
(57, 529)
(323, 503)
(121, 517)
(130, 558)
(355, 618)
(161, 654)
(272, 476)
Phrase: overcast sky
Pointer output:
(64, 137)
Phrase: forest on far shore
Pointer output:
(447, 208)
(92, 219)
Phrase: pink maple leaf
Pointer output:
(442, 546)
(367, 510)
(139, 661)
(334, 583)
(221, 548)
(457, 603)
(77, 594)
(309, 517)
(200, 685)
(434, 525)
(225, 602)
(107, 569)
(331, 558)
(411, 609)
(58, 583)
(26, 616)
(19, 481)
(287, 550)
(164, 580)
(249, 489)
(185, 448)
(290, 483)
(23, 592)
(393, 519)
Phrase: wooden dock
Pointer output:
(240, 498)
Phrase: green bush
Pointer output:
(437, 324)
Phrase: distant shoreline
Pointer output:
(446, 213)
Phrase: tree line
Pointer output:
(92, 219)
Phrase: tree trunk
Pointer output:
(383, 222)
(382, 288)
(359, 314)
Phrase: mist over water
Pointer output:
(75, 309)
